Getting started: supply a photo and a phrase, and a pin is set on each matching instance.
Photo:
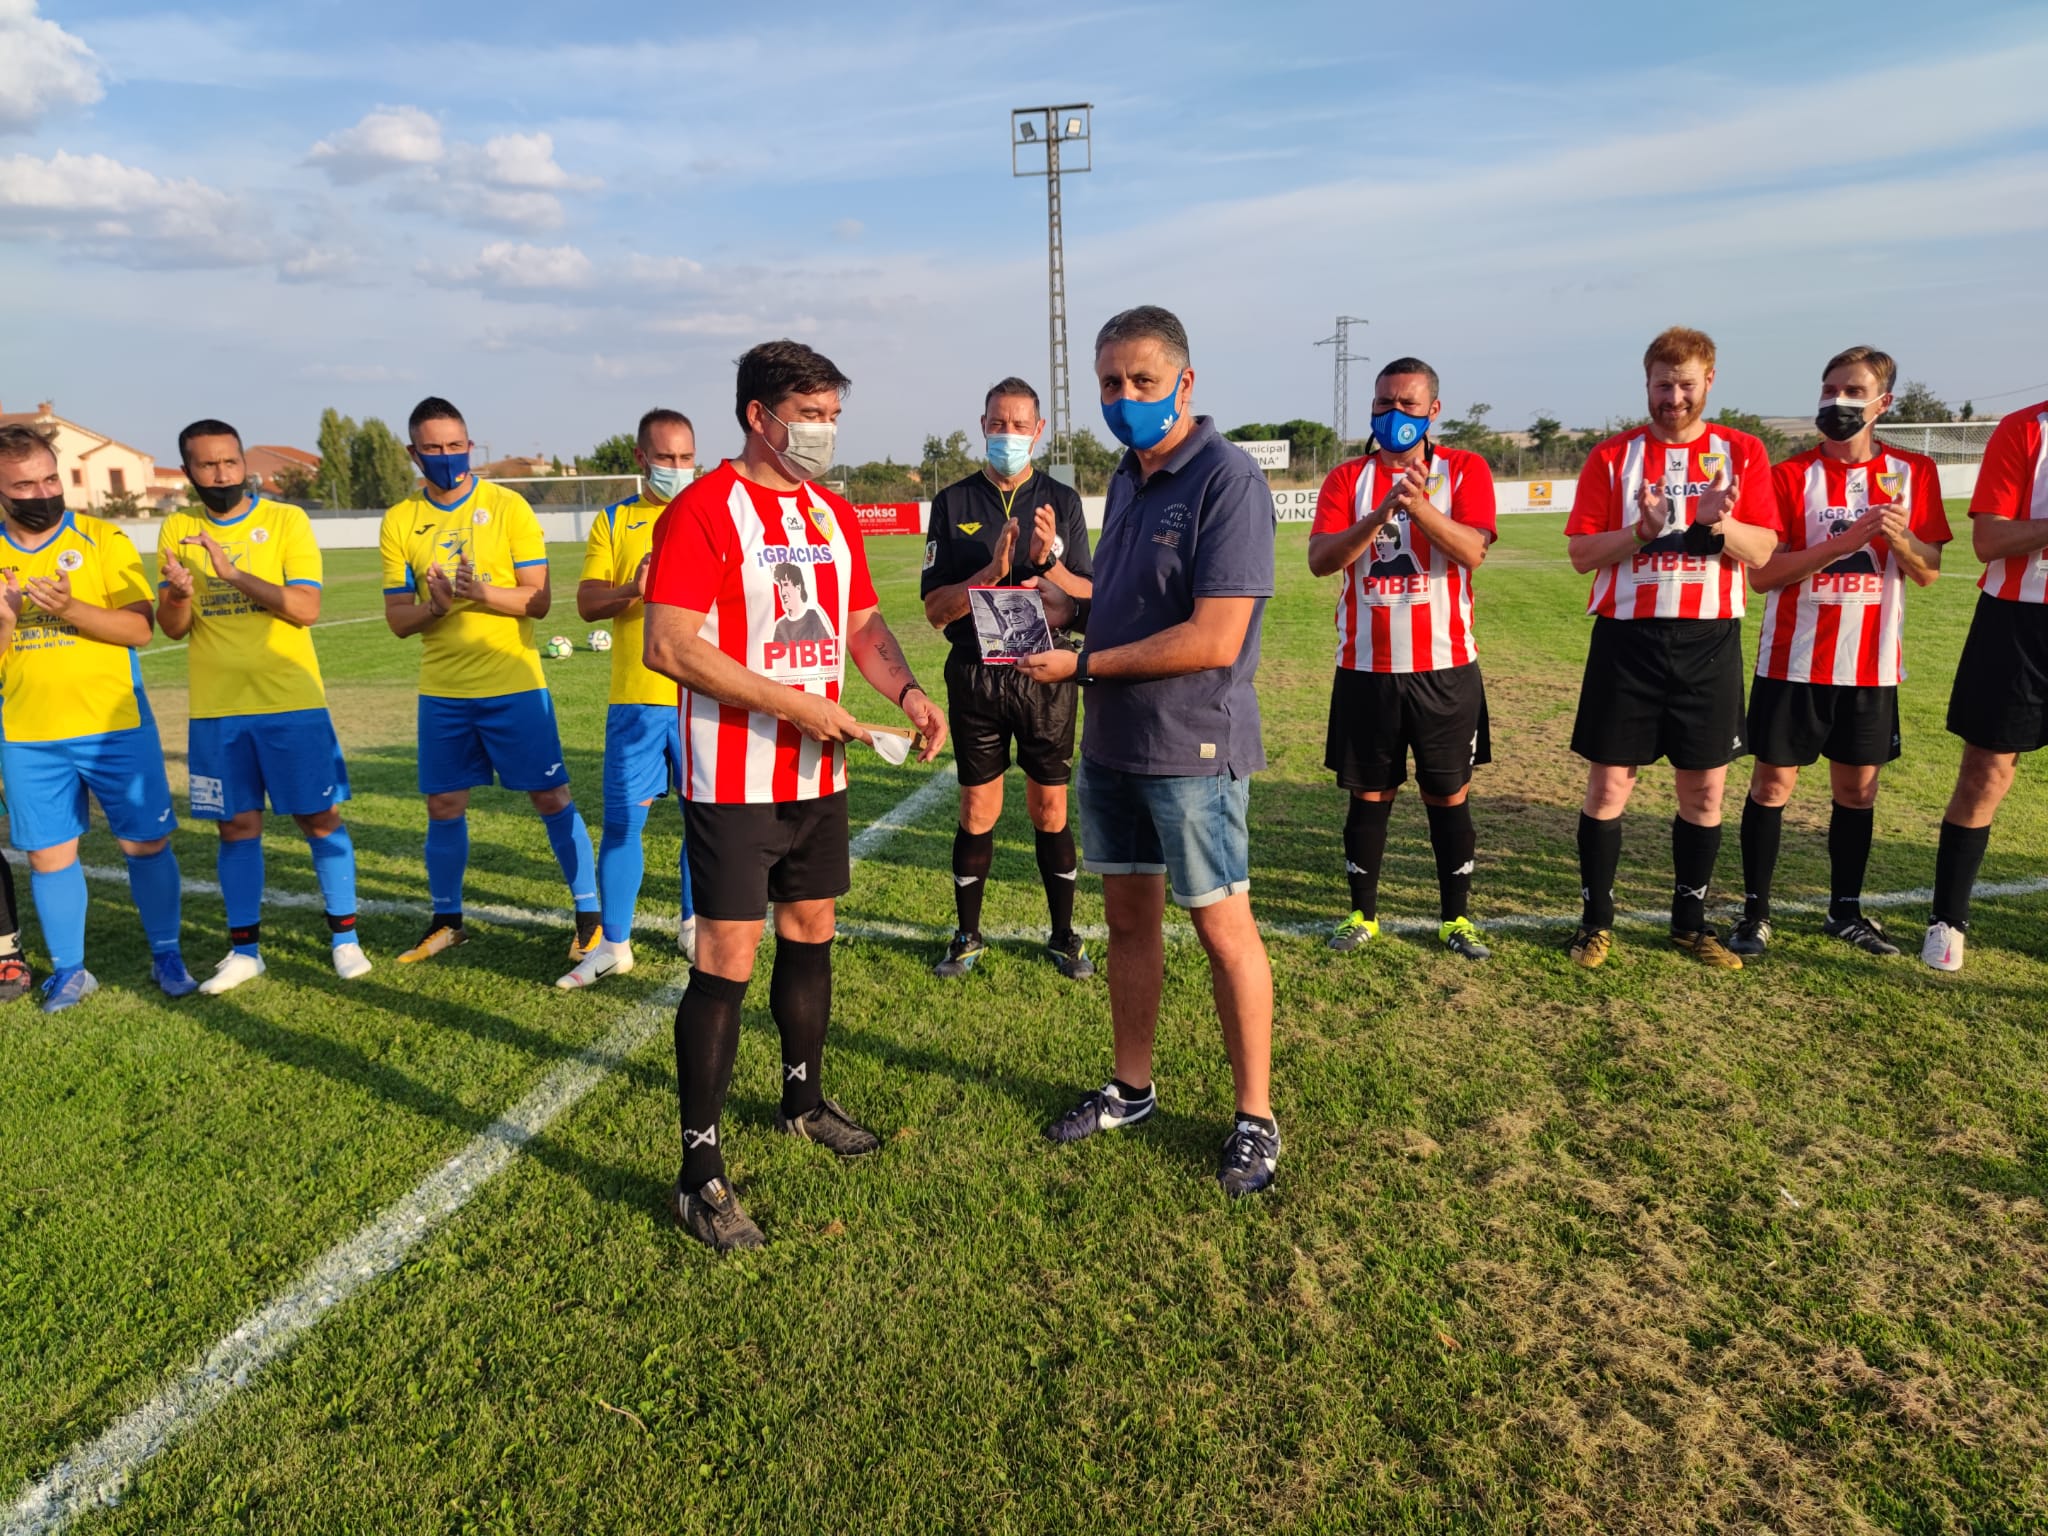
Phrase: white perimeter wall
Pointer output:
(1511, 496)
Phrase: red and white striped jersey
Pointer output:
(775, 573)
(1660, 580)
(1842, 625)
(2014, 483)
(1404, 605)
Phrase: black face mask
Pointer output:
(1839, 420)
(36, 513)
(218, 498)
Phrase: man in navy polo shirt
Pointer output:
(1170, 737)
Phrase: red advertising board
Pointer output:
(889, 517)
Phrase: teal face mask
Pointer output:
(1009, 454)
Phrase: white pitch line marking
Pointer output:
(95, 1473)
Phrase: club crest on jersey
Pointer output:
(69, 559)
(479, 517)
(821, 518)
(1436, 483)
(1891, 483)
(1711, 464)
(259, 535)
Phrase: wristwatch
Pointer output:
(1053, 557)
(1081, 677)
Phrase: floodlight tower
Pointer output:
(1341, 405)
(1060, 132)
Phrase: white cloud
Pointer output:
(126, 214)
(506, 265)
(849, 229)
(710, 324)
(386, 140)
(41, 67)
(321, 264)
(527, 160)
(356, 373)
(507, 182)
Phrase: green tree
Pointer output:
(1546, 433)
(613, 456)
(380, 474)
(334, 484)
(1967, 413)
(295, 484)
(1471, 433)
(1776, 443)
(1094, 462)
(947, 460)
(121, 504)
(1918, 403)
(883, 480)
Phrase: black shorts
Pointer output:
(1668, 688)
(1793, 724)
(986, 706)
(1377, 718)
(2000, 698)
(744, 856)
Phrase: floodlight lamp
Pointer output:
(1030, 133)
(1073, 127)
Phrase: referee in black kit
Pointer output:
(1007, 525)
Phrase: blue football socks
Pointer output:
(334, 866)
(571, 842)
(447, 859)
(153, 881)
(241, 889)
(60, 907)
(621, 865)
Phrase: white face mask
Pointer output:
(810, 448)
(668, 483)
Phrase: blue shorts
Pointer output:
(643, 752)
(47, 783)
(464, 741)
(1192, 830)
(292, 756)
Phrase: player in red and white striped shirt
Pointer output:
(1404, 528)
(1665, 517)
(1999, 704)
(1861, 520)
(757, 595)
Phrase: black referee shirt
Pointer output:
(967, 520)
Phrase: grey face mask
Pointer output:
(810, 449)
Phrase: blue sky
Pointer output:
(558, 221)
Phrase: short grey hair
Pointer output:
(1163, 325)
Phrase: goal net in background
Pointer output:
(1946, 442)
(565, 493)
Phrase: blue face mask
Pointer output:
(1008, 454)
(1142, 424)
(1397, 431)
(444, 471)
(668, 483)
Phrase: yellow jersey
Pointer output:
(245, 659)
(620, 539)
(56, 684)
(472, 653)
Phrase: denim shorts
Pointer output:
(1191, 830)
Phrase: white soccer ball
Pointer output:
(600, 639)
(557, 647)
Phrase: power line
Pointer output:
(1340, 403)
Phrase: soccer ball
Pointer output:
(557, 647)
(600, 639)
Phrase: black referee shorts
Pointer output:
(2000, 698)
(1792, 725)
(1378, 718)
(987, 707)
(1669, 688)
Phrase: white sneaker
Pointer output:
(350, 961)
(1943, 948)
(608, 959)
(686, 938)
(232, 972)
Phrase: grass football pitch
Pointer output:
(1650, 1248)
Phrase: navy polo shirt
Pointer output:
(1201, 526)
